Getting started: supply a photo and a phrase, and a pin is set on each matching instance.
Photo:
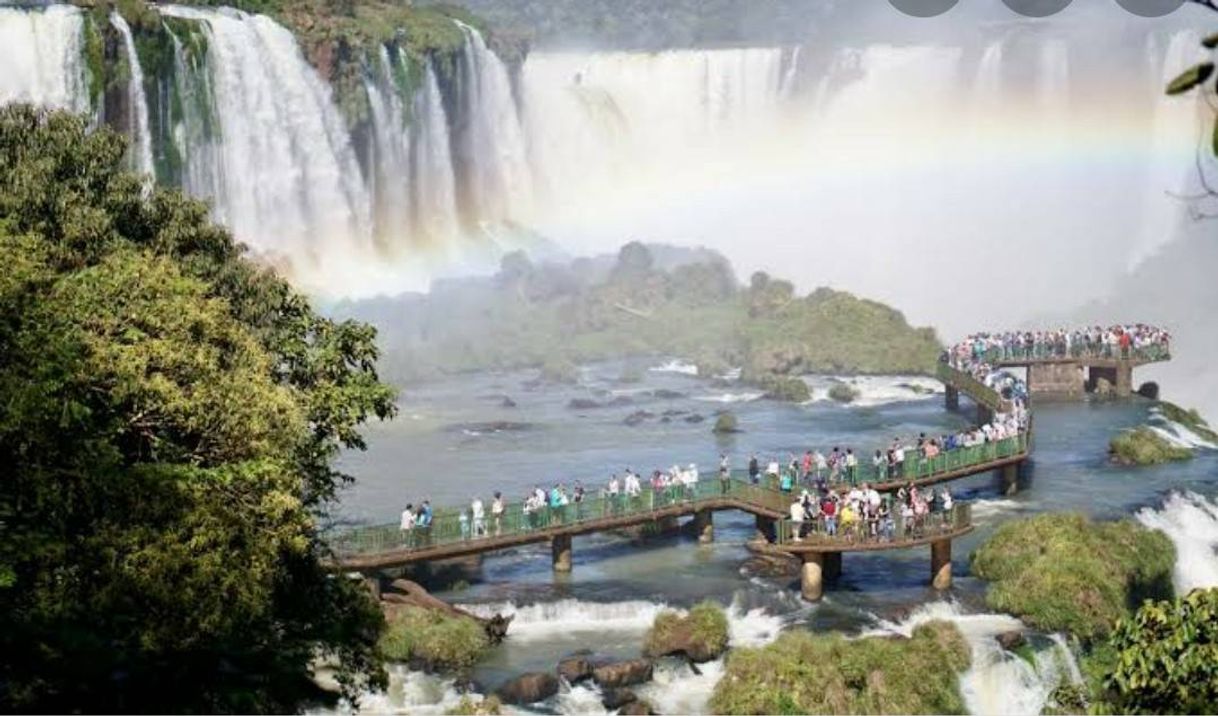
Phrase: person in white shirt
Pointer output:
(614, 487)
(408, 518)
(797, 519)
(497, 508)
(479, 519)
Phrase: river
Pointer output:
(455, 438)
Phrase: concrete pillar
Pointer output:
(765, 528)
(1061, 379)
(941, 564)
(811, 577)
(833, 565)
(560, 551)
(951, 398)
(704, 526)
(1124, 379)
(1010, 479)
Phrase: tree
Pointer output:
(1194, 79)
(1167, 656)
(171, 415)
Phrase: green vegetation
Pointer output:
(843, 392)
(646, 301)
(802, 673)
(1190, 419)
(171, 412)
(433, 640)
(726, 423)
(1166, 657)
(1143, 446)
(1063, 572)
(700, 635)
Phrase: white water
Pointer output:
(1191, 521)
(1176, 433)
(675, 366)
(137, 102)
(41, 56)
(391, 180)
(876, 389)
(291, 186)
(997, 682)
(435, 199)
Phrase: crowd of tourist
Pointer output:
(1119, 341)
(863, 514)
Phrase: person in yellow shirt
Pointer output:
(848, 519)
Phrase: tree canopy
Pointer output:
(171, 413)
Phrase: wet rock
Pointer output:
(493, 426)
(1149, 389)
(528, 688)
(621, 400)
(507, 402)
(771, 565)
(665, 394)
(613, 699)
(636, 708)
(637, 417)
(695, 418)
(1011, 640)
(575, 669)
(583, 404)
(1103, 387)
(622, 673)
(673, 413)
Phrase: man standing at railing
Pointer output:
(407, 525)
(497, 513)
(423, 523)
(754, 469)
(852, 466)
(476, 511)
(725, 475)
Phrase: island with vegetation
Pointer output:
(1147, 445)
(647, 300)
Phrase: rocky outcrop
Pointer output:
(575, 669)
(614, 699)
(1010, 640)
(636, 708)
(528, 688)
(622, 673)
(411, 594)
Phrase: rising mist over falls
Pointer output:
(866, 158)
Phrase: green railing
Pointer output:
(449, 526)
(970, 386)
(861, 531)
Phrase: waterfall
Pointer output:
(137, 103)
(289, 182)
(494, 167)
(390, 176)
(41, 51)
(1190, 520)
(435, 198)
(196, 135)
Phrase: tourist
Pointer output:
(407, 525)
(848, 520)
(497, 508)
(886, 525)
(822, 465)
(879, 465)
(852, 466)
(797, 519)
(464, 519)
(828, 508)
(754, 469)
(806, 466)
(725, 475)
(475, 508)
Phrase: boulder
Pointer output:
(622, 673)
(575, 669)
(1010, 640)
(507, 402)
(1149, 389)
(528, 688)
(1103, 387)
(583, 404)
(613, 699)
(771, 565)
(621, 400)
(665, 394)
(637, 417)
(695, 418)
(636, 708)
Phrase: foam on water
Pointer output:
(996, 682)
(1176, 433)
(411, 692)
(675, 366)
(743, 397)
(876, 389)
(984, 509)
(545, 620)
(1190, 520)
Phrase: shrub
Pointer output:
(1143, 446)
(829, 674)
(432, 639)
(1062, 572)
(843, 392)
(702, 634)
(726, 423)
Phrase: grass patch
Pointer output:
(843, 392)
(435, 641)
(702, 634)
(1143, 446)
(803, 673)
(726, 423)
(468, 706)
(1063, 572)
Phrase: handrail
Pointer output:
(1044, 352)
(895, 530)
(973, 388)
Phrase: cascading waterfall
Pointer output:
(41, 51)
(390, 179)
(290, 184)
(493, 167)
(1190, 520)
(196, 135)
(435, 196)
(137, 102)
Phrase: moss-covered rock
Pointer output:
(469, 706)
(1143, 446)
(701, 635)
(1064, 572)
(781, 387)
(432, 640)
(803, 673)
(843, 392)
(559, 370)
(726, 424)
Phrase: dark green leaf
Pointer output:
(1190, 78)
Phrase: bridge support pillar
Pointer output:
(560, 552)
(1124, 380)
(1010, 479)
(704, 526)
(811, 576)
(833, 565)
(941, 564)
(951, 398)
(765, 528)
